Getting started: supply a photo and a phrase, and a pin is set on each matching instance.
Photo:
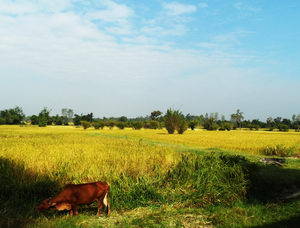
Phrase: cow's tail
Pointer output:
(106, 201)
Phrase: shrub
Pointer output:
(120, 125)
(153, 124)
(173, 120)
(110, 124)
(278, 150)
(254, 127)
(225, 126)
(182, 126)
(137, 125)
(271, 129)
(42, 122)
(98, 125)
(193, 124)
(210, 125)
(283, 127)
(85, 124)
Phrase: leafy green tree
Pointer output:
(76, 120)
(85, 124)
(137, 125)
(123, 119)
(120, 125)
(67, 115)
(182, 126)
(193, 124)
(44, 117)
(155, 115)
(237, 118)
(174, 120)
(210, 124)
(97, 125)
(12, 116)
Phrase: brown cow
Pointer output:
(75, 194)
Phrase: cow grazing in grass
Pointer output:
(75, 194)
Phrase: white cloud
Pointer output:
(176, 9)
(113, 13)
(245, 7)
(66, 48)
(20, 7)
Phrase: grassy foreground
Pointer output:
(157, 179)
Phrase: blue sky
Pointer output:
(131, 57)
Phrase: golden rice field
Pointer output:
(36, 162)
(79, 154)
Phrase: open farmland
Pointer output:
(155, 177)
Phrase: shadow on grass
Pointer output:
(20, 192)
(292, 222)
(273, 184)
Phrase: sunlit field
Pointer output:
(150, 171)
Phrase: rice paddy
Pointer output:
(126, 158)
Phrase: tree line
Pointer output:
(172, 120)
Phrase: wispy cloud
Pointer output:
(246, 7)
(176, 8)
(124, 57)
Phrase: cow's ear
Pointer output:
(53, 204)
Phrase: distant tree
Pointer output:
(111, 124)
(58, 120)
(120, 125)
(270, 122)
(76, 120)
(152, 124)
(85, 124)
(174, 120)
(123, 119)
(12, 116)
(34, 119)
(155, 114)
(193, 124)
(97, 125)
(137, 125)
(237, 118)
(182, 126)
(44, 118)
(210, 124)
(67, 115)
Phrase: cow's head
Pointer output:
(46, 204)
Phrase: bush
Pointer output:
(271, 129)
(98, 125)
(254, 127)
(110, 124)
(174, 120)
(225, 126)
(278, 150)
(210, 125)
(42, 123)
(85, 124)
(120, 125)
(283, 127)
(193, 124)
(137, 125)
(182, 126)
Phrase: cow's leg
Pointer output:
(74, 207)
(100, 205)
(73, 210)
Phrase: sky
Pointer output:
(131, 57)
